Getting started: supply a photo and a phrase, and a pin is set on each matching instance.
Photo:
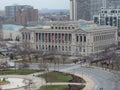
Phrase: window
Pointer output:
(36, 47)
(83, 50)
(43, 47)
(77, 40)
(55, 27)
(84, 38)
(65, 27)
(46, 47)
(73, 27)
(62, 48)
(69, 48)
(66, 48)
(80, 38)
(59, 47)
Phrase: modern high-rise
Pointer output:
(10, 11)
(113, 4)
(110, 17)
(85, 9)
(26, 16)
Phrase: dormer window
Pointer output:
(52, 27)
(55, 27)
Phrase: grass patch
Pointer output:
(56, 77)
(18, 72)
(63, 87)
(54, 87)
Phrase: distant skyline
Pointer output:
(38, 4)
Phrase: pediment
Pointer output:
(79, 31)
(24, 29)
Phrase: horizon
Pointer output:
(52, 4)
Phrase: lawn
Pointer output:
(63, 87)
(56, 77)
(57, 87)
(17, 72)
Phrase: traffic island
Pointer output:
(62, 81)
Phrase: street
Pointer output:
(103, 79)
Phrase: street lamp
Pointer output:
(46, 75)
(46, 80)
(81, 64)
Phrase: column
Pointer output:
(29, 36)
(70, 38)
(50, 37)
(53, 37)
(41, 37)
(38, 37)
(23, 36)
(67, 38)
(60, 37)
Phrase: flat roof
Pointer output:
(94, 27)
(11, 27)
(83, 26)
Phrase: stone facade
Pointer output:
(71, 39)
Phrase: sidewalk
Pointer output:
(37, 82)
(90, 84)
(63, 83)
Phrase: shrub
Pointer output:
(4, 80)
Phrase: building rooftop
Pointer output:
(92, 27)
(11, 27)
(39, 27)
(35, 27)
(69, 26)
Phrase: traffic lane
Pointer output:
(102, 78)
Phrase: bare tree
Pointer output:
(24, 50)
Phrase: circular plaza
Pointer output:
(13, 83)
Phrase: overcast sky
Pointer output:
(39, 4)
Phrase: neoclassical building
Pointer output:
(71, 39)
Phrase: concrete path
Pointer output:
(90, 84)
(63, 83)
(35, 85)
